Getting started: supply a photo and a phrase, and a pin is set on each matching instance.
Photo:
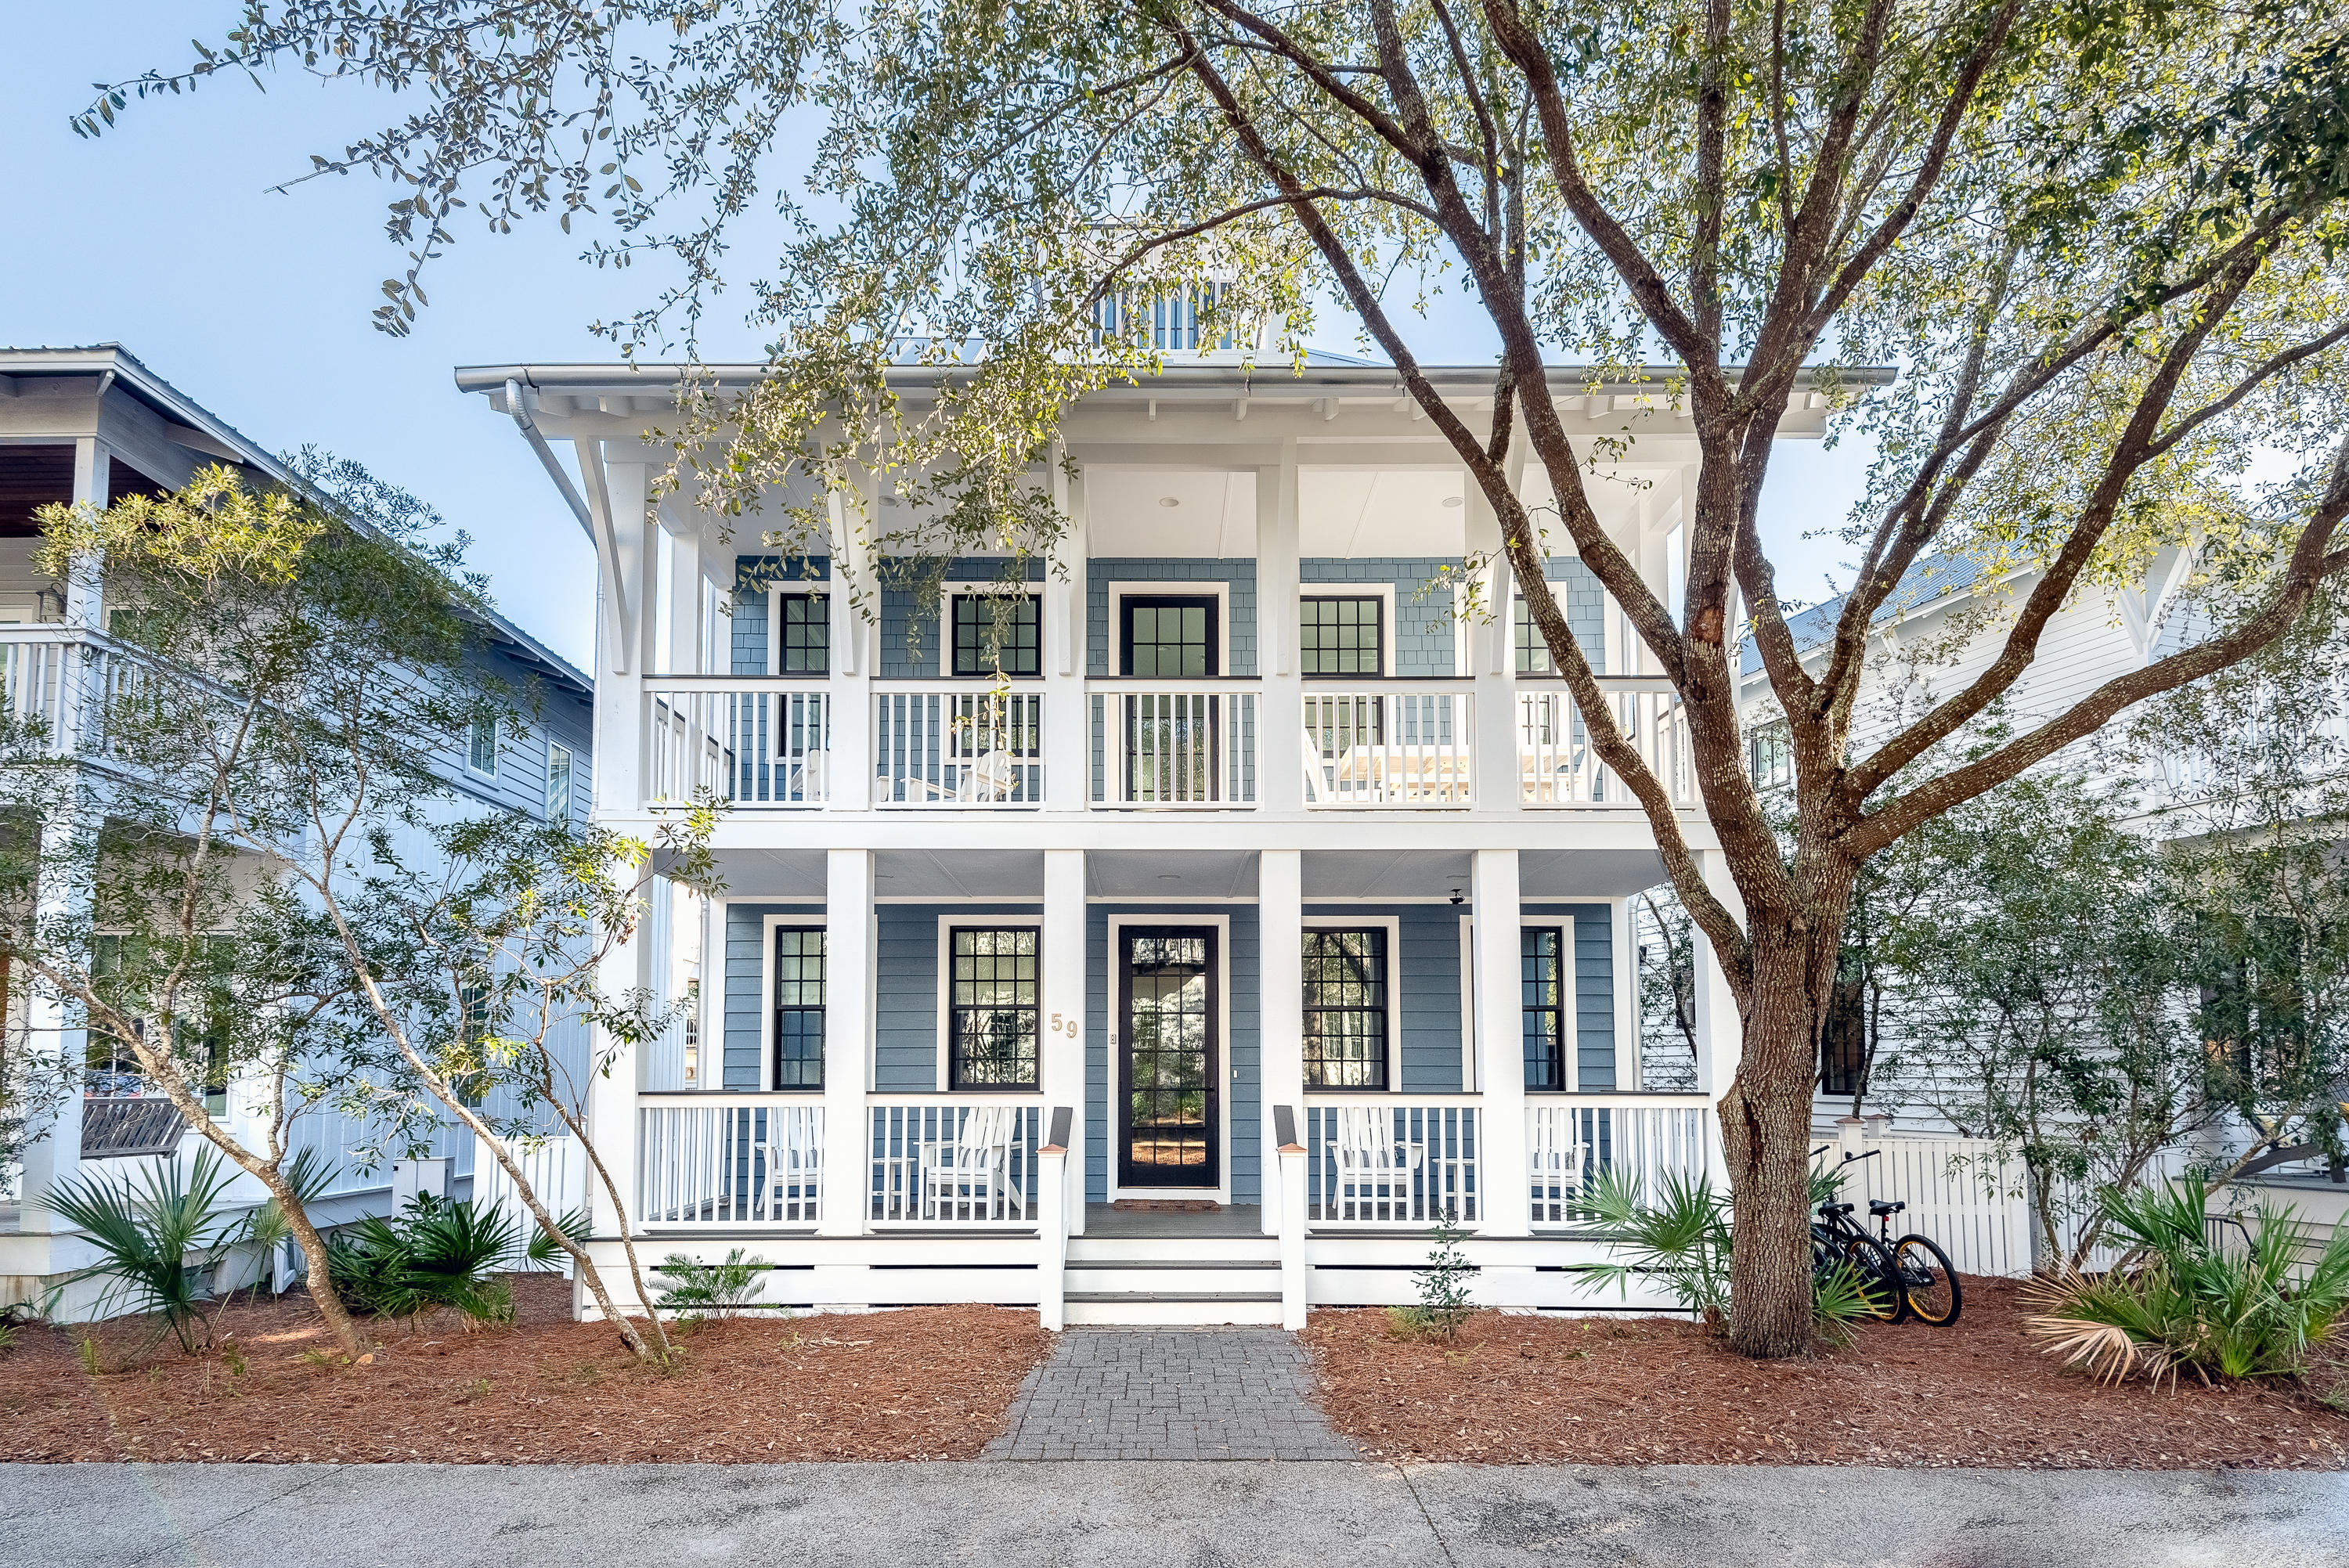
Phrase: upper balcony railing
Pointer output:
(1153, 744)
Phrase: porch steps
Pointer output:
(1171, 1280)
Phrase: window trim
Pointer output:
(472, 732)
(1121, 632)
(1569, 999)
(1113, 636)
(570, 763)
(769, 976)
(1383, 592)
(1113, 1026)
(948, 925)
(954, 596)
(1392, 1069)
(816, 588)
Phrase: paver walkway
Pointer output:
(1170, 1394)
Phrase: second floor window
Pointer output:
(1346, 1009)
(1342, 637)
(1544, 999)
(992, 627)
(1533, 648)
(992, 1013)
(481, 746)
(558, 783)
(1169, 637)
(799, 1008)
(803, 642)
(1771, 751)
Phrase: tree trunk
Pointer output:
(318, 1278)
(1765, 1133)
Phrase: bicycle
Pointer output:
(1911, 1275)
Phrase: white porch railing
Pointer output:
(1370, 1160)
(762, 744)
(942, 1162)
(1398, 746)
(1643, 1137)
(1165, 744)
(66, 681)
(728, 1159)
(1558, 766)
(959, 745)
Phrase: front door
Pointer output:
(1167, 1066)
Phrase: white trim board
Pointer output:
(1174, 588)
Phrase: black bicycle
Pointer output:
(1910, 1276)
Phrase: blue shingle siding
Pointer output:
(909, 616)
(1424, 628)
(906, 1058)
(746, 927)
(753, 575)
(1578, 594)
(1241, 1069)
(1594, 988)
(1238, 575)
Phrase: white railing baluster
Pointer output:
(715, 1160)
(1160, 744)
(941, 1161)
(749, 742)
(958, 746)
(1399, 746)
(1373, 1162)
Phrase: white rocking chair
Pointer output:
(969, 1172)
(1374, 1176)
(1554, 1164)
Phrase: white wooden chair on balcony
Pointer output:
(1376, 1171)
(794, 1164)
(990, 777)
(962, 1176)
(1554, 1163)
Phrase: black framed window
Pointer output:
(1533, 648)
(799, 1008)
(992, 1010)
(1346, 1009)
(803, 642)
(1770, 748)
(992, 627)
(1342, 637)
(1543, 980)
(1168, 636)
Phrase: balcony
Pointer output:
(1173, 745)
(1557, 764)
(947, 743)
(1400, 745)
(754, 743)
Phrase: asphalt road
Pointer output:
(1163, 1515)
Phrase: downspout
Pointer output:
(529, 428)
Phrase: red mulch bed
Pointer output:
(923, 1383)
(1520, 1390)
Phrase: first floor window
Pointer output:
(558, 783)
(993, 1009)
(482, 745)
(1346, 1009)
(1542, 971)
(998, 632)
(804, 635)
(1341, 636)
(799, 1008)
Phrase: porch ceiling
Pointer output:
(1128, 874)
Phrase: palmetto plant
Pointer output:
(161, 1243)
(432, 1253)
(2181, 1303)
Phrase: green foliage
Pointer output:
(698, 1290)
(542, 1253)
(161, 1240)
(1445, 1285)
(431, 1255)
(1682, 1242)
(2191, 1301)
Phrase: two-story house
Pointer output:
(1261, 912)
(93, 426)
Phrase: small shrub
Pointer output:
(432, 1253)
(234, 1358)
(2181, 1303)
(698, 1290)
(161, 1242)
(86, 1347)
(1445, 1283)
(540, 1254)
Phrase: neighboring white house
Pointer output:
(1263, 912)
(94, 425)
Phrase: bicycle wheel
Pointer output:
(1929, 1286)
(1873, 1266)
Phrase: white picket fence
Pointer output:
(557, 1173)
(1959, 1192)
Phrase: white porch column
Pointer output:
(1068, 716)
(1720, 1032)
(854, 593)
(1061, 1065)
(848, 949)
(1280, 1030)
(1494, 921)
(623, 632)
(84, 586)
(58, 1154)
(1280, 728)
(611, 1102)
(1493, 663)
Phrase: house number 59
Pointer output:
(1064, 1024)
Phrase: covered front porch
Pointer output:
(1132, 1086)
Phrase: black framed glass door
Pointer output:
(1167, 1074)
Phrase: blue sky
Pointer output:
(164, 236)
